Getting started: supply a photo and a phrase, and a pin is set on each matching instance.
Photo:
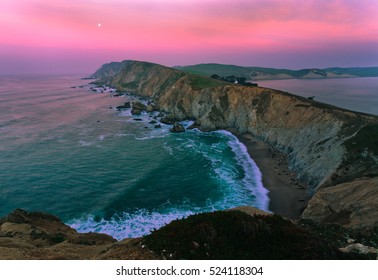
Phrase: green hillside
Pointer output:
(270, 73)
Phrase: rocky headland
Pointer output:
(327, 147)
(332, 152)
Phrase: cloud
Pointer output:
(196, 28)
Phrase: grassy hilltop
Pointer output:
(262, 73)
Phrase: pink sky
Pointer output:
(78, 36)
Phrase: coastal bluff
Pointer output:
(327, 147)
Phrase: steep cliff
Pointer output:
(326, 145)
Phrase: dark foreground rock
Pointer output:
(35, 235)
(237, 235)
(243, 233)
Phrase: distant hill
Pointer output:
(261, 73)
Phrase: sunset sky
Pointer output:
(77, 36)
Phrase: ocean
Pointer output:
(356, 94)
(67, 151)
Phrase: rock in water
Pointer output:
(124, 106)
(136, 111)
(177, 127)
(139, 106)
(196, 124)
(167, 120)
(150, 108)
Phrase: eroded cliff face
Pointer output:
(318, 138)
(350, 204)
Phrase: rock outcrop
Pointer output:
(253, 234)
(326, 145)
(137, 108)
(37, 235)
(352, 204)
(126, 105)
(238, 235)
(168, 120)
(177, 127)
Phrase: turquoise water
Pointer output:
(68, 152)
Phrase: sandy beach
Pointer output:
(287, 196)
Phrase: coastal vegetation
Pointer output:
(218, 235)
(237, 235)
(262, 73)
(233, 79)
(198, 82)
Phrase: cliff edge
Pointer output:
(326, 145)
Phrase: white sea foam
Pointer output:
(85, 143)
(227, 174)
(253, 176)
(125, 113)
(154, 134)
(241, 184)
(142, 221)
(168, 149)
(120, 134)
(126, 225)
(238, 190)
(187, 123)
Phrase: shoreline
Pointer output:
(287, 197)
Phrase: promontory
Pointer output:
(333, 150)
